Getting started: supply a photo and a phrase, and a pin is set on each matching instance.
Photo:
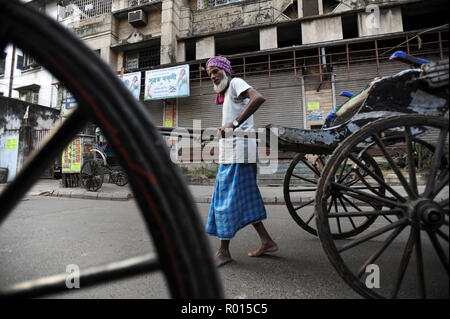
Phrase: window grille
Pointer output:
(134, 3)
(85, 9)
(30, 96)
(149, 57)
(143, 58)
(132, 61)
(203, 4)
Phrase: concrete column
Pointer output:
(300, 8)
(320, 6)
(268, 38)
(169, 30)
(205, 48)
(118, 4)
(181, 51)
(380, 21)
(321, 30)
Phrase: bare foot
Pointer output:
(222, 258)
(265, 248)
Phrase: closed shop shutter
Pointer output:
(283, 104)
(156, 111)
(199, 107)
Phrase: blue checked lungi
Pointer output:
(236, 201)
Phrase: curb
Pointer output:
(124, 196)
(81, 194)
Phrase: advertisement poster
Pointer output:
(313, 105)
(71, 158)
(167, 83)
(315, 115)
(133, 82)
(11, 144)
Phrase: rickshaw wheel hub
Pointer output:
(426, 214)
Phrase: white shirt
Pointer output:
(236, 148)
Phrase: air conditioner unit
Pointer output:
(137, 18)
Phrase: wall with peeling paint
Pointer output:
(235, 16)
(16, 119)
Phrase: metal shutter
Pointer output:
(199, 107)
(156, 111)
(284, 104)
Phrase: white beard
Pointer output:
(223, 84)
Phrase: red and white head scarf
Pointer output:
(221, 63)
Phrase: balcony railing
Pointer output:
(204, 4)
(84, 9)
(135, 3)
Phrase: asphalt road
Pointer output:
(43, 235)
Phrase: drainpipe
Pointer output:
(324, 59)
(11, 74)
(333, 89)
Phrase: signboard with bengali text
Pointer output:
(72, 157)
(167, 83)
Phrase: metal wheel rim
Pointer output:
(328, 244)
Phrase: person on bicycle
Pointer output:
(236, 201)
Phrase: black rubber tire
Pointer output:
(407, 217)
(91, 175)
(120, 178)
(160, 191)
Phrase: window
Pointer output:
(143, 58)
(132, 61)
(30, 95)
(310, 8)
(2, 62)
(25, 62)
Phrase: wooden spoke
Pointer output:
(373, 234)
(438, 248)
(405, 261)
(380, 251)
(435, 164)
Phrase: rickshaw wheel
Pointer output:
(375, 264)
(182, 252)
(303, 212)
(119, 177)
(298, 209)
(92, 175)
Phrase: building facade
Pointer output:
(300, 54)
